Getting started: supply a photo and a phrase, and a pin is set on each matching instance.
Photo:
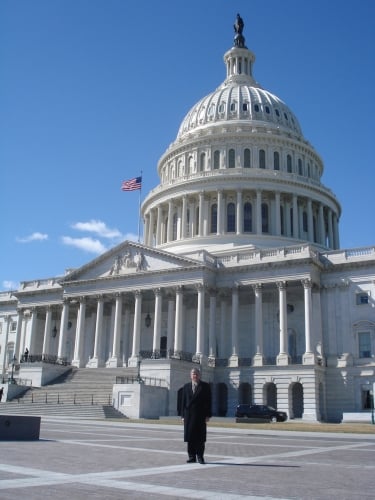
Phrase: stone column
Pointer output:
(258, 359)
(322, 228)
(115, 359)
(295, 217)
(220, 212)
(157, 323)
(150, 239)
(96, 360)
(308, 357)
(170, 221)
(158, 225)
(136, 328)
(223, 331)
(277, 214)
(17, 340)
(239, 213)
(310, 223)
(212, 325)
(201, 214)
(146, 228)
(200, 322)
(80, 331)
(47, 331)
(283, 357)
(7, 322)
(63, 329)
(178, 321)
(330, 229)
(184, 217)
(258, 228)
(171, 323)
(233, 360)
(26, 316)
(126, 336)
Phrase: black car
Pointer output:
(261, 412)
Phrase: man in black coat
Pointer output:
(195, 411)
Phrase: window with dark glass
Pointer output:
(231, 158)
(282, 224)
(231, 218)
(267, 110)
(289, 163)
(216, 159)
(276, 161)
(247, 218)
(262, 159)
(364, 344)
(304, 222)
(174, 229)
(203, 162)
(214, 218)
(265, 224)
(256, 107)
(300, 170)
(362, 298)
(247, 158)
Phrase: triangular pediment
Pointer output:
(129, 258)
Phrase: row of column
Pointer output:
(175, 330)
(159, 223)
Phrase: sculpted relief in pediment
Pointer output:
(130, 261)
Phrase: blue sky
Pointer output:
(93, 91)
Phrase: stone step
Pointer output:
(71, 410)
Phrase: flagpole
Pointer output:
(139, 212)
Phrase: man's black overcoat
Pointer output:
(195, 408)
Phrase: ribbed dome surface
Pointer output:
(240, 102)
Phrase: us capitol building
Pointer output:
(240, 271)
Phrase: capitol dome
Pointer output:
(240, 173)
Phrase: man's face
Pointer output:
(194, 376)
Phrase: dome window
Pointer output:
(276, 161)
(211, 111)
(300, 170)
(216, 159)
(265, 218)
(231, 158)
(262, 158)
(256, 108)
(289, 164)
(233, 107)
(247, 218)
(247, 158)
(277, 112)
(245, 106)
(286, 116)
(222, 108)
(267, 110)
(231, 218)
(214, 218)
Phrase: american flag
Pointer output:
(132, 184)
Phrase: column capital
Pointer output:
(179, 289)
(137, 293)
(200, 287)
(307, 283)
(281, 285)
(258, 287)
(157, 291)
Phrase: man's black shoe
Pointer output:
(201, 460)
(191, 461)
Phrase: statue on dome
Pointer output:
(239, 39)
(239, 24)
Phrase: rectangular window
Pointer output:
(364, 344)
(13, 326)
(362, 298)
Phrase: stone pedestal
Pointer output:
(19, 428)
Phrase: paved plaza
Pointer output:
(114, 460)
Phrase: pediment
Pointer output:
(129, 258)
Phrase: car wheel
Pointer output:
(273, 419)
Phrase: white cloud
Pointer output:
(130, 237)
(88, 244)
(98, 227)
(33, 237)
(10, 285)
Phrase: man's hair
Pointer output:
(195, 370)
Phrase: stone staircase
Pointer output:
(79, 393)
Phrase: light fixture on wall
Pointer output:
(148, 320)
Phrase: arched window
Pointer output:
(289, 164)
(202, 164)
(308, 170)
(265, 224)
(197, 220)
(247, 218)
(231, 218)
(262, 158)
(191, 165)
(216, 159)
(174, 227)
(276, 161)
(213, 218)
(188, 223)
(247, 158)
(231, 158)
(300, 169)
(305, 225)
(291, 222)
